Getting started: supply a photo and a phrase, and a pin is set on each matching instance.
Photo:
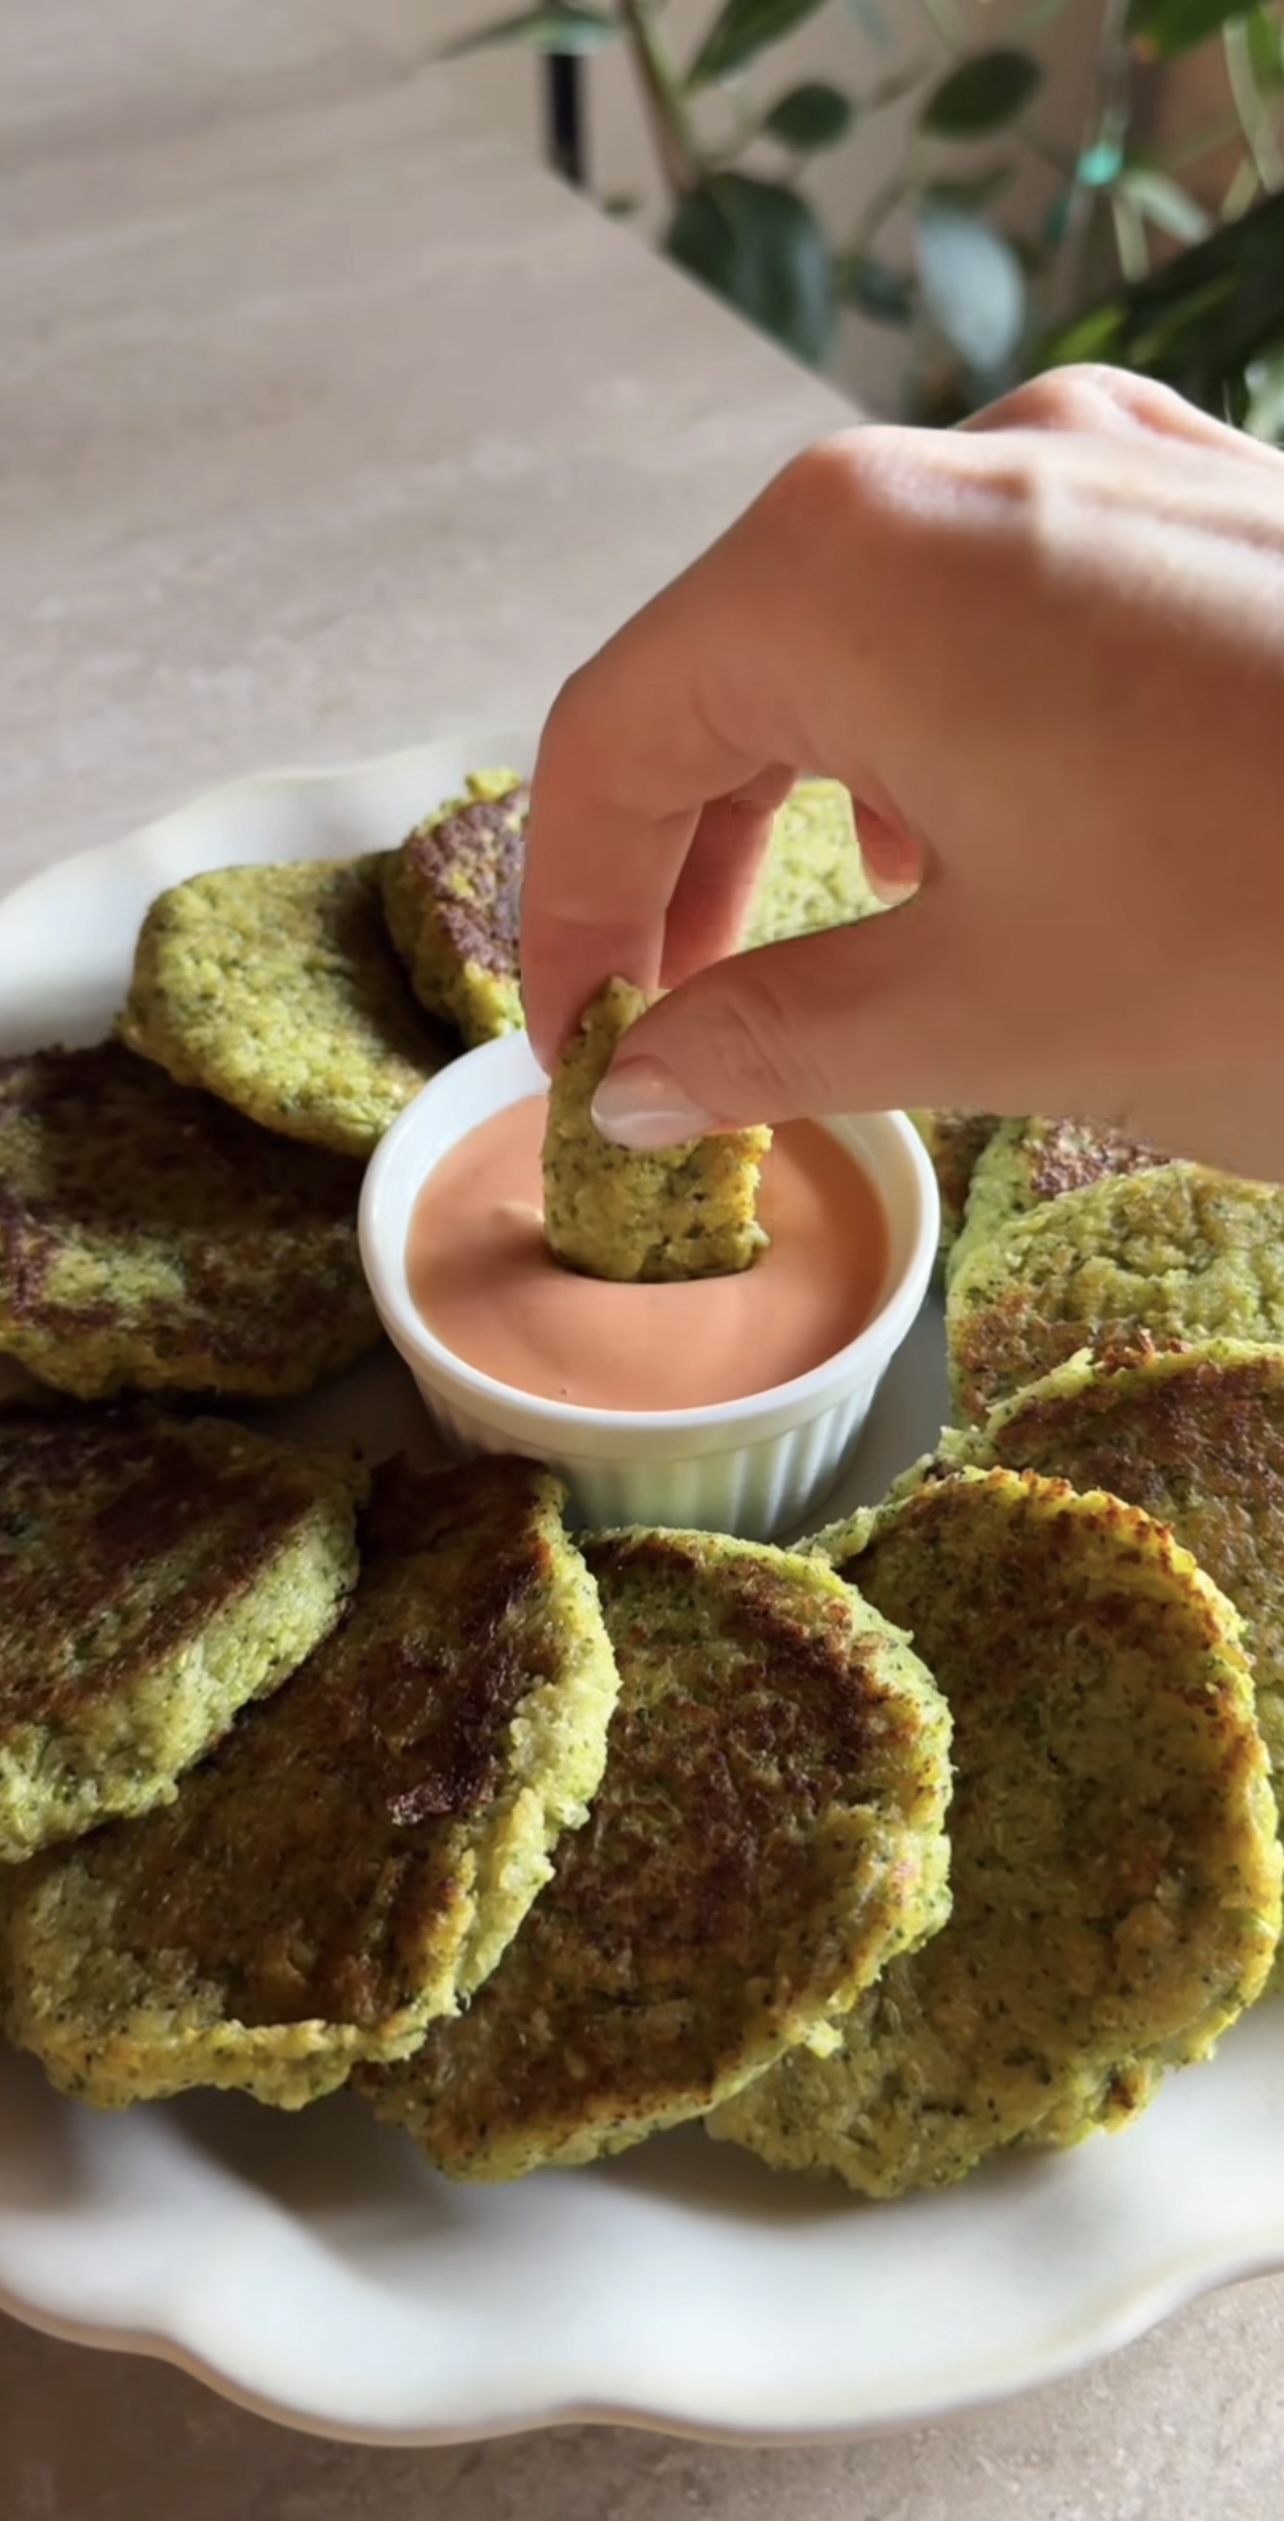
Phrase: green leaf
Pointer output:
(558, 26)
(981, 95)
(1166, 205)
(745, 29)
(973, 287)
(813, 116)
(1094, 337)
(1162, 28)
(873, 23)
(875, 289)
(760, 247)
(1265, 39)
(1201, 322)
(1264, 411)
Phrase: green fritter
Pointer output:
(1181, 1252)
(452, 899)
(813, 875)
(689, 1212)
(1196, 1438)
(152, 1239)
(155, 1575)
(278, 989)
(768, 1831)
(355, 1855)
(1025, 1163)
(1115, 1867)
(955, 1142)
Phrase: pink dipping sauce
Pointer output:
(484, 1281)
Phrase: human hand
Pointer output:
(1045, 653)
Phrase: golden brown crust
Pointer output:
(151, 1238)
(1115, 1867)
(768, 1828)
(355, 1853)
(452, 897)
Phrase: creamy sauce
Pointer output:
(485, 1283)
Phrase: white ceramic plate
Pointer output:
(315, 2269)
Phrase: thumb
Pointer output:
(857, 1019)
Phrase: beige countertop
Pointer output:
(327, 425)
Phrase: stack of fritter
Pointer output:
(548, 1843)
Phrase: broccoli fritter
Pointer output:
(278, 989)
(688, 1212)
(1115, 1868)
(768, 1830)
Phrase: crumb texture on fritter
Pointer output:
(1179, 1251)
(1195, 1437)
(1025, 1163)
(155, 1575)
(357, 1851)
(452, 897)
(278, 988)
(1115, 1867)
(769, 1829)
(955, 1142)
(153, 1239)
(689, 1212)
(813, 875)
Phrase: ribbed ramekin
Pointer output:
(751, 1467)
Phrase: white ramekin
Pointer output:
(749, 1467)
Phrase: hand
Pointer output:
(1045, 653)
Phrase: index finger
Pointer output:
(698, 699)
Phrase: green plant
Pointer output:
(1123, 260)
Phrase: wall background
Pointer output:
(839, 45)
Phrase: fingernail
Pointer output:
(639, 1104)
(892, 890)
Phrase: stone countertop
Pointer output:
(329, 425)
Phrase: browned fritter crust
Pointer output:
(155, 1575)
(1196, 1438)
(1067, 1154)
(307, 1861)
(452, 898)
(152, 1238)
(954, 1141)
(1177, 1250)
(95, 1512)
(357, 1848)
(769, 1827)
(1115, 1865)
(1026, 1163)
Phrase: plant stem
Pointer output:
(1254, 117)
(1200, 145)
(895, 87)
(879, 207)
(945, 23)
(1130, 238)
(1241, 193)
(680, 159)
(1108, 127)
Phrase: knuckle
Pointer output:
(575, 741)
(814, 484)
(1066, 398)
(1084, 397)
